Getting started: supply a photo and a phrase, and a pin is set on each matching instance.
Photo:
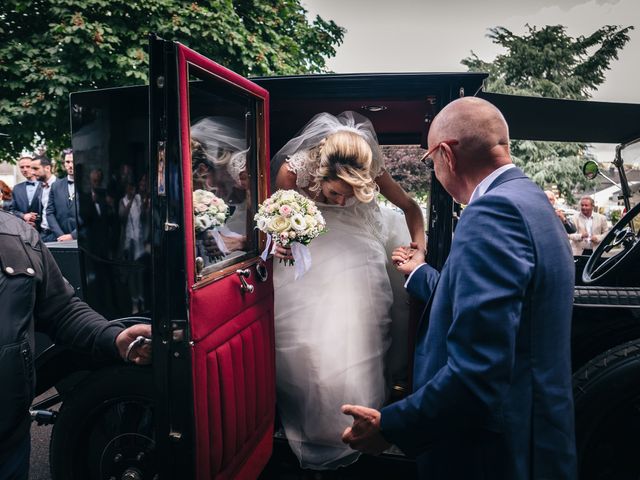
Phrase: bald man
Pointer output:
(492, 392)
(568, 225)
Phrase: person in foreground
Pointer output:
(492, 375)
(35, 295)
(332, 325)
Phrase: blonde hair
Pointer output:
(346, 156)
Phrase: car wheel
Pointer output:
(607, 404)
(105, 428)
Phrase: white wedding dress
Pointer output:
(333, 326)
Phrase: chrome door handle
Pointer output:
(243, 274)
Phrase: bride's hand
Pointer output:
(406, 259)
(402, 255)
(283, 253)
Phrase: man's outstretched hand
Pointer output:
(364, 434)
(140, 354)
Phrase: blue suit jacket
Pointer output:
(20, 201)
(492, 376)
(61, 210)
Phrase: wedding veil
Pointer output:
(223, 143)
(323, 125)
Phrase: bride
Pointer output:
(332, 325)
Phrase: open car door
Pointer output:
(213, 296)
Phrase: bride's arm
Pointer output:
(412, 213)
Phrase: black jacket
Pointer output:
(35, 295)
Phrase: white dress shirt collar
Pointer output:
(482, 187)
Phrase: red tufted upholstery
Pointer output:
(234, 378)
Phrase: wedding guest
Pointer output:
(41, 168)
(133, 211)
(61, 207)
(566, 222)
(25, 202)
(591, 228)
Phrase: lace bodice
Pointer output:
(303, 163)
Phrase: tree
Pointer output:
(49, 48)
(547, 62)
(404, 165)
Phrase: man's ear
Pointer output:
(449, 157)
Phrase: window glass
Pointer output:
(224, 176)
(109, 136)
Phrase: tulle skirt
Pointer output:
(333, 330)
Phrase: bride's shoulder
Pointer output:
(303, 164)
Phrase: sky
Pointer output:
(434, 35)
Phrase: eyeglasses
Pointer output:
(426, 156)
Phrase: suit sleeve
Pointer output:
(576, 234)
(422, 282)
(54, 226)
(13, 208)
(67, 319)
(569, 227)
(603, 227)
(490, 266)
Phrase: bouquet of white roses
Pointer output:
(291, 220)
(208, 210)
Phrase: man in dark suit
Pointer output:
(61, 209)
(25, 202)
(492, 392)
(41, 167)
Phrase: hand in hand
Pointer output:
(364, 434)
(140, 354)
(283, 253)
(585, 235)
(406, 259)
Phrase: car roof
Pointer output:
(410, 100)
(552, 119)
(405, 102)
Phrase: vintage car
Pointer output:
(206, 408)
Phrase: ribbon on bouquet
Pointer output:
(265, 253)
(302, 259)
(301, 256)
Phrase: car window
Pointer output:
(224, 179)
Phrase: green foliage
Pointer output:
(404, 165)
(615, 216)
(49, 48)
(547, 62)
